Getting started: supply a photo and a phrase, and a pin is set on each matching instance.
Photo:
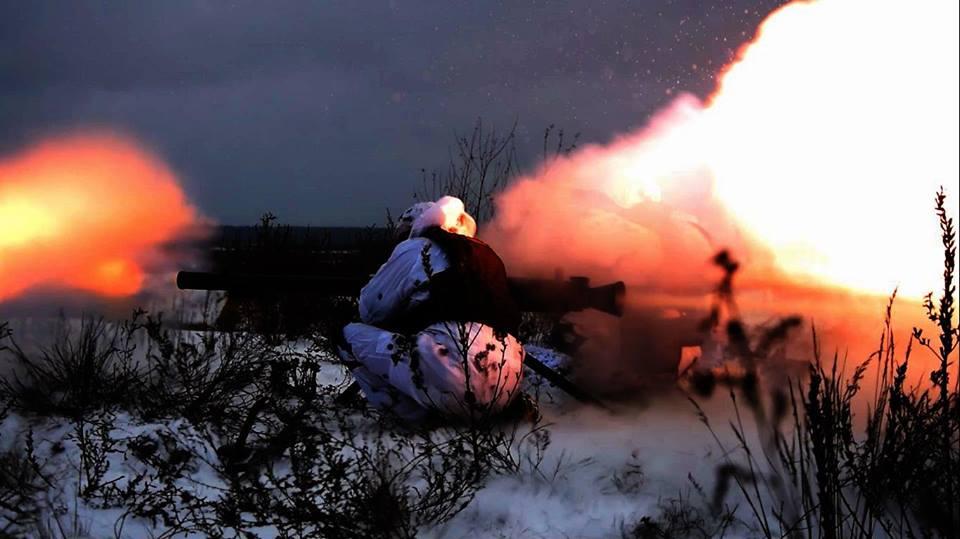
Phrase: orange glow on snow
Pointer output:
(83, 212)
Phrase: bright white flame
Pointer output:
(818, 157)
(832, 133)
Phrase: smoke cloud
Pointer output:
(815, 163)
(640, 209)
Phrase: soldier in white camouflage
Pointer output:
(438, 331)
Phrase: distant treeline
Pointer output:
(230, 236)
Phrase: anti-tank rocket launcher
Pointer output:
(531, 295)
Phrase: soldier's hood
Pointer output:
(406, 219)
(449, 214)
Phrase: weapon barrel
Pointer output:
(255, 282)
(532, 295)
(556, 296)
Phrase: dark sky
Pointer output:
(324, 112)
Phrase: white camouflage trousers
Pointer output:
(455, 369)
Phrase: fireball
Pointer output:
(816, 161)
(85, 212)
(831, 134)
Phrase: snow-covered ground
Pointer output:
(601, 473)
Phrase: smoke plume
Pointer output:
(814, 162)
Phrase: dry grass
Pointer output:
(817, 474)
(285, 453)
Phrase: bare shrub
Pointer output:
(822, 477)
(313, 469)
(483, 163)
(275, 447)
(20, 491)
(480, 165)
(680, 517)
(79, 372)
(205, 377)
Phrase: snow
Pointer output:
(579, 496)
(587, 485)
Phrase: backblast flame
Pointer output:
(85, 212)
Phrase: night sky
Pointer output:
(325, 112)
